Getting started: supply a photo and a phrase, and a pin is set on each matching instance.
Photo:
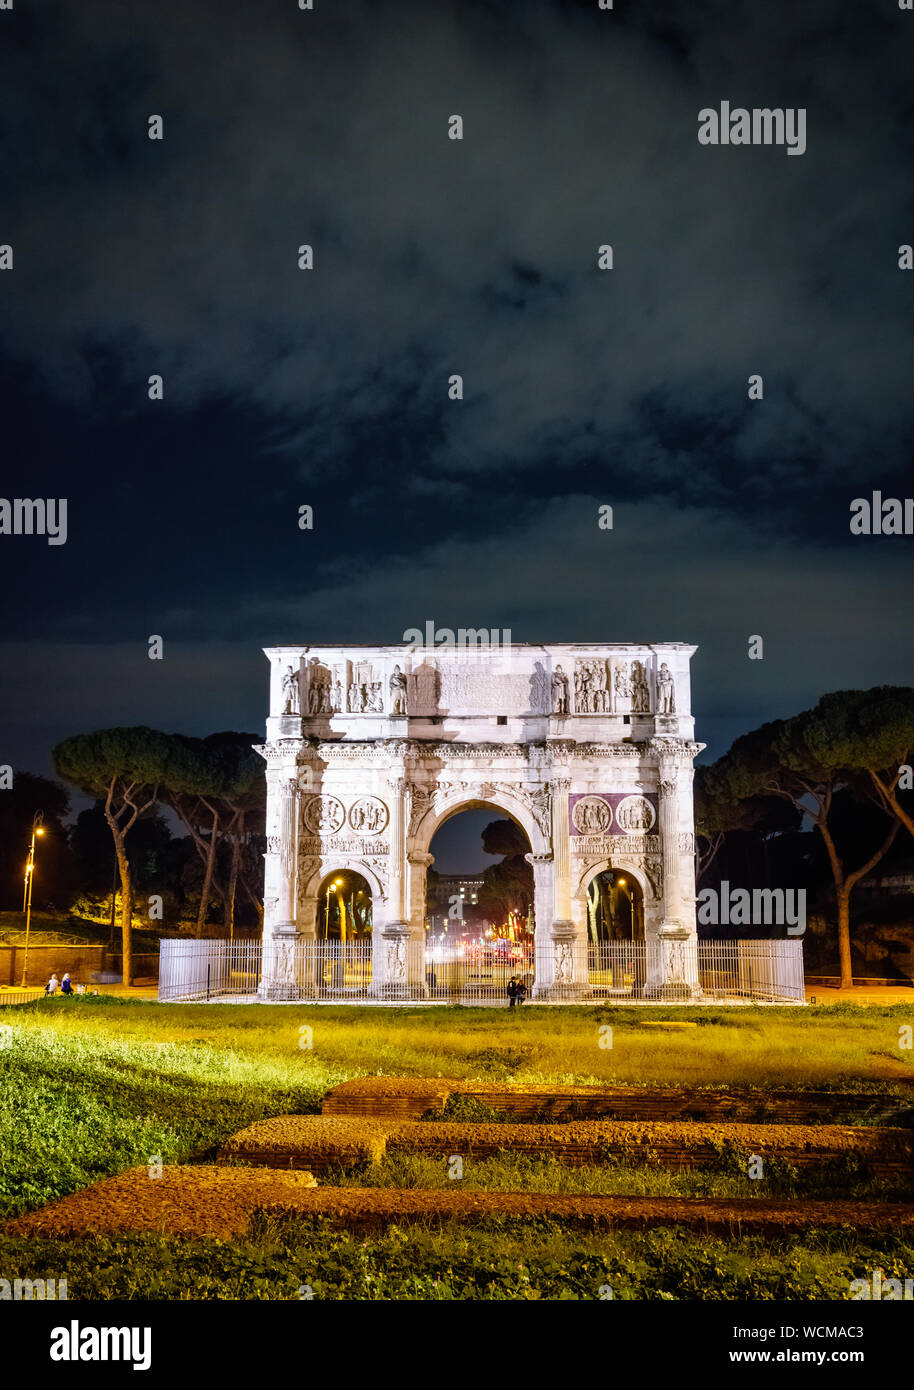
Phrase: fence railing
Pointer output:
(19, 996)
(478, 975)
(766, 970)
(303, 969)
(618, 969)
(208, 969)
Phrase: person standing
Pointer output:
(512, 992)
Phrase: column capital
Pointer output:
(675, 750)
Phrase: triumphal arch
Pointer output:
(588, 747)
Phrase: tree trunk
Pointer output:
(126, 911)
(844, 939)
(889, 798)
(705, 857)
(236, 834)
(208, 875)
(606, 908)
(232, 884)
(252, 896)
(844, 886)
(592, 916)
(119, 831)
(114, 878)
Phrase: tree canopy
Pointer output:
(849, 742)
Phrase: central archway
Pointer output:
(479, 904)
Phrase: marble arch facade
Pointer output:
(589, 747)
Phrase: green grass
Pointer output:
(495, 1260)
(835, 1046)
(69, 928)
(91, 1086)
(77, 1107)
(513, 1172)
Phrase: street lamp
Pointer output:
(37, 829)
(330, 887)
(620, 883)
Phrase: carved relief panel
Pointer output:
(364, 684)
(591, 686)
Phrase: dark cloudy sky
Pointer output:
(432, 256)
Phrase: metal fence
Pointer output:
(766, 970)
(466, 973)
(478, 974)
(618, 969)
(19, 996)
(208, 969)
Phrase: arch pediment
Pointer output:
(647, 870)
(315, 870)
(431, 807)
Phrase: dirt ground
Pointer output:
(319, 1141)
(219, 1202)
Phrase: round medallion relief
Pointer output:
(592, 815)
(368, 815)
(324, 814)
(635, 814)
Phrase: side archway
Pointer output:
(616, 899)
(320, 913)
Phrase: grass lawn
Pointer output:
(293, 1259)
(91, 1086)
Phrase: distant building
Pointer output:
(888, 885)
(450, 886)
(453, 895)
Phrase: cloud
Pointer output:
(663, 573)
(478, 257)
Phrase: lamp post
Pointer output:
(37, 824)
(330, 887)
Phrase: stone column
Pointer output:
(278, 968)
(687, 865)
(543, 903)
(397, 852)
(674, 972)
(669, 842)
(398, 956)
(419, 864)
(561, 852)
(561, 958)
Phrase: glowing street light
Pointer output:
(330, 887)
(37, 829)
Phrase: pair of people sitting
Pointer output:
(65, 985)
